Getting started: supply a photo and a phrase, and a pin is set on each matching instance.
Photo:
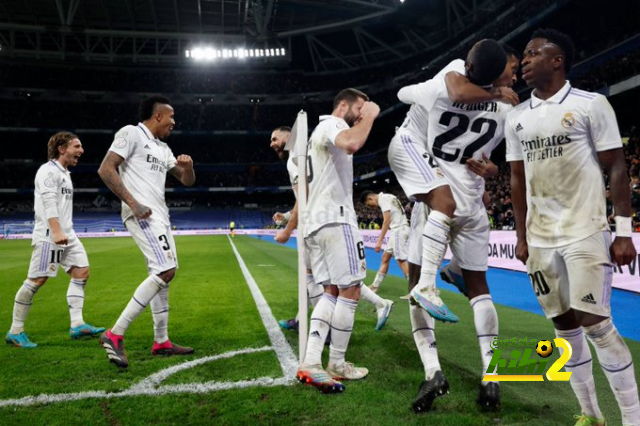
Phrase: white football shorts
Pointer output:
(409, 161)
(398, 246)
(575, 276)
(337, 256)
(156, 242)
(46, 257)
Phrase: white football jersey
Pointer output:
(417, 120)
(390, 203)
(292, 169)
(458, 132)
(53, 185)
(330, 176)
(558, 140)
(144, 170)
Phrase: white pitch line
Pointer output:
(155, 379)
(288, 360)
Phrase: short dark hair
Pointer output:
(510, 51)
(350, 96)
(148, 105)
(58, 140)
(365, 195)
(486, 61)
(561, 40)
(283, 129)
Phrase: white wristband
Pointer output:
(287, 216)
(623, 226)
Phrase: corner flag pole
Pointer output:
(297, 146)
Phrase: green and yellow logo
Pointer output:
(521, 367)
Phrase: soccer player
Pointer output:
(279, 138)
(395, 220)
(335, 248)
(135, 169)
(557, 144)
(232, 229)
(54, 241)
(461, 137)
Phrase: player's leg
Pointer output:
(310, 371)
(382, 271)
(155, 249)
(401, 249)
(410, 162)
(549, 278)
(468, 245)
(76, 264)
(345, 257)
(44, 264)
(590, 275)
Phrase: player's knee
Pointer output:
(40, 281)
(167, 276)
(332, 290)
(80, 273)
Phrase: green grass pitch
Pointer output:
(212, 309)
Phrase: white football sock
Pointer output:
(21, 305)
(615, 360)
(485, 319)
(368, 295)
(435, 238)
(423, 327)
(75, 300)
(580, 366)
(160, 314)
(319, 328)
(314, 291)
(341, 328)
(379, 277)
(146, 291)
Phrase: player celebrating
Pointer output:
(279, 138)
(394, 219)
(334, 245)
(54, 241)
(458, 183)
(135, 169)
(557, 144)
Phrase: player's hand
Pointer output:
(622, 251)
(377, 248)
(59, 238)
(485, 168)
(522, 251)
(506, 94)
(369, 110)
(282, 236)
(278, 218)
(141, 211)
(184, 161)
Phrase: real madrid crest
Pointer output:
(568, 121)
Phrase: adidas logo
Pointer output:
(518, 127)
(315, 334)
(589, 299)
(147, 146)
(433, 345)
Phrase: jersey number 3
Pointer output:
(458, 130)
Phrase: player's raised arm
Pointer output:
(351, 140)
(108, 172)
(183, 170)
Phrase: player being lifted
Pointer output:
(279, 138)
(461, 136)
(54, 241)
(558, 143)
(332, 240)
(135, 169)
(394, 220)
